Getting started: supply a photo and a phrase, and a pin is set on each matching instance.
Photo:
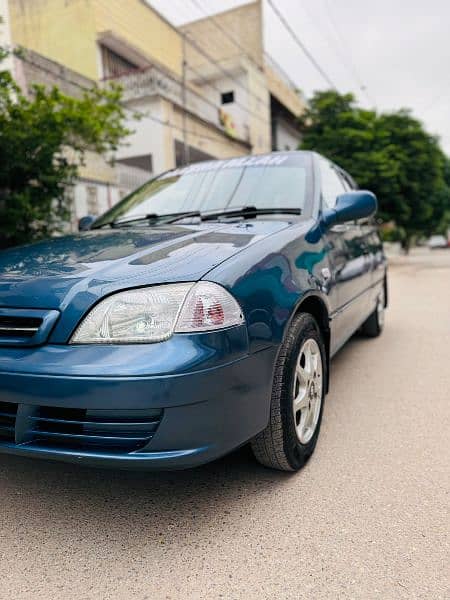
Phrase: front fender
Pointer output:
(272, 279)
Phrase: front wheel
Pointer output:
(298, 394)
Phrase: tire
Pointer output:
(287, 443)
(374, 325)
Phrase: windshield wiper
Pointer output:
(246, 212)
(155, 218)
(250, 212)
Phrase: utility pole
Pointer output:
(184, 103)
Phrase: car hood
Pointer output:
(80, 269)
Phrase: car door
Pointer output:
(378, 263)
(374, 277)
(350, 261)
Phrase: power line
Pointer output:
(214, 87)
(283, 73)
(222, 69)
(300, 44)
(346, 59)
(179, 128)
(188, 39)
(217, 64)
(226, 33)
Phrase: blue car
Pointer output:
(198, 314)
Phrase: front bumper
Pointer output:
(210, 396)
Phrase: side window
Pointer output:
(332, 185)
(349, 184)
(345, 183)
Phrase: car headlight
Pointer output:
(153, 314)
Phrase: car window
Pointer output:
(345, 182)
(284, 188)
(268, 181)
(332, 185)
(349, 182)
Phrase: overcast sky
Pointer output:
(398, 49)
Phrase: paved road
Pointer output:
(367, 518)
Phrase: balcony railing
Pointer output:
(153, 81)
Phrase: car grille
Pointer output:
(78, 429)
(25, 327)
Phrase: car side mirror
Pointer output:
(84, 224)
(350, 207)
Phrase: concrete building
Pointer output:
(286, 105)
(224, 56)
(236, 71)
(5, 34)
(97, 187)
(206, 90)
(98, 41)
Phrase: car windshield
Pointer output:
(264, 182)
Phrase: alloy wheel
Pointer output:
(307, 392)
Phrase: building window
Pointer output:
(91, 200)
(115, 65)
(143, 161)
(227, 97)
(194, 155)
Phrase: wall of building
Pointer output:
(143, 28)
(158, 140)
(283, 91)
(206, 139)
(68, 31)
(235, 113)
(149, 136)
(91, 198)
(63, 31)
(31, 68)
(243, 23)
(244, 62)
(5, 33)
(259, 112)
(285, 136)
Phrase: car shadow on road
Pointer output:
(94, 502)
(143, 504)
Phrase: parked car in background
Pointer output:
(437, 241)
(198, 314)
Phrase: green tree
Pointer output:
(390, 154)
(441, 211)
(44, 138)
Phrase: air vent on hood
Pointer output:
(25, 327)
(20, 327)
